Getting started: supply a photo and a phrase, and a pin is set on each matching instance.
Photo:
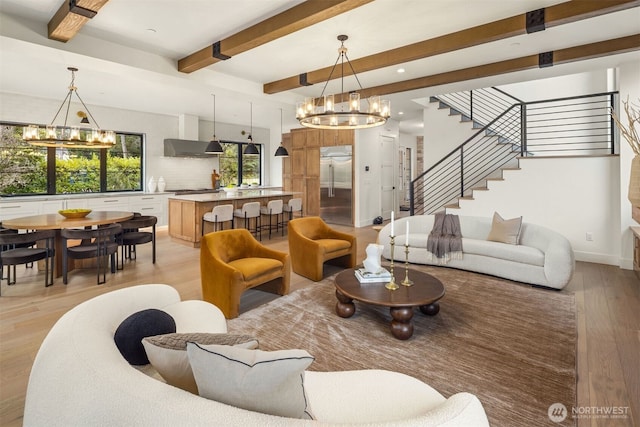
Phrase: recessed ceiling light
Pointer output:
(400, 70)
(400, 112)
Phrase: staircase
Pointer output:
(508, 131)
(497, 138)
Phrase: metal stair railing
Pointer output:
(467, 165)
(578, 125)
(479, 105)
(565, 126)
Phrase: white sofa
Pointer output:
(543, 257)
(79, 378)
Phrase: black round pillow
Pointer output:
(133, 329)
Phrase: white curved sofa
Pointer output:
(79, 378)
(543, 257)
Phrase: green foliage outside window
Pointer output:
(235, 170)
(23, 167)
(123, 173)
(229, 165)
(78, 174)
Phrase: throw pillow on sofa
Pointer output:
(168, 354)
(128, 337)
(505, 230)
(271, 382)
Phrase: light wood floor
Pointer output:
(607, 299)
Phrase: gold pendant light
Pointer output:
(327, 112)
(70, 136)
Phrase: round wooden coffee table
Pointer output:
(424, 293)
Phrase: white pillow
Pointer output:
(271, 382)
(505, 230)
(168, 354)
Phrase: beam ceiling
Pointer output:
(71, 17)
(291, 20)
(559, 14)
(561, 56)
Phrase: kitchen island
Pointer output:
(186, 211)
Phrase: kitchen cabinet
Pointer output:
(53, 206)
(186, 211)
(108, 203)
(182, 222)
(18, 209)
(154, 205)
(146, 204)
(301, 170)
(333, 137)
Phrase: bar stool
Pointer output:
(250, 210)
(294, 205)
(274, 207)
(218, 215)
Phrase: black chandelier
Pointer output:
(327, 112)
(70, 136)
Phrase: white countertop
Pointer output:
(235, 194)
(46, 197)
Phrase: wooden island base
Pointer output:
(185, 212)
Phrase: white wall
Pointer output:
(368, 183)
(177, 172)
(559, 87)
(442, 133)
(570, 195)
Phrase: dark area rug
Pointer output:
(512, 345)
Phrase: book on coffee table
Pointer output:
(364, 276)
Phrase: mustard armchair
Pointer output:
(232, 261)
(312, 243)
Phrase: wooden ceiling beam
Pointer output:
(71, 17)
(562, 56)
(562, 13)
(291, 20)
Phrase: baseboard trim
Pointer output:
(599, 258)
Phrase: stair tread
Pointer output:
(511, 169)
(452, 206)
(466, 198)
(494, 179)
(480, 189)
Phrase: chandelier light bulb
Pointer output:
(328, 103)
(69, 136)
(354, 101)
(321, 112)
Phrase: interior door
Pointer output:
(388, 176)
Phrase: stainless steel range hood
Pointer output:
(185, 148)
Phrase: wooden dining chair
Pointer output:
(96, 243)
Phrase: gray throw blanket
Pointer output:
(445, 240)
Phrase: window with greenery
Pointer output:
(237, 168)
(29, 170)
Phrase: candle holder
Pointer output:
(392, 285)
(406, 281)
